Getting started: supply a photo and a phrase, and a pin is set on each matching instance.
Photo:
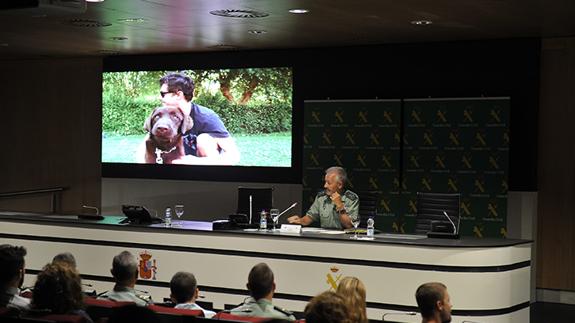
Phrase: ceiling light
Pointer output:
(239, 13)
(119, 38)
(257, 32)
(421, 22)
(300, 11)
(132, 20)
(94, 0)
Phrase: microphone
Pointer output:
(397, 313)
(453, 224)
(275, 218)
(250, 209)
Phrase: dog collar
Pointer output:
(159, 153)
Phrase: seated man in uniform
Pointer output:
(434, 303)
(184, 292)
(12, 276)
(262, 287)
(125, 272)
(65, 258)
(335, 207)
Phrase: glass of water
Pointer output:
(274, 214)
(355, 222)
(179, 209)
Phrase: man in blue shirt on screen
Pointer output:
(208, 142)
(335, 207)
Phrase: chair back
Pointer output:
(430, 208)
(367, 206)
(239, 318)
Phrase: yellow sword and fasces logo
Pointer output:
(362, 115)
(466, 206)
(454, 137)
(466, 160)
(426, 182)
(478, 231)
(385, 204)
(349, 137)
(440, 161)
(441, 116)
(326, 138)
(333, 278)
(480, 139)
(337, 159)
(339, 116)
(468, 116)
(388, 116)
(361, 159)
(373, 183)
(495, 115)
(316, 116)
(385, 160)
(374, 138)
(398, 228)
(492, 208)
(427, 138)
(313, 158)
(415, 116)
(452, 184)
(412, 206)
(479, 185)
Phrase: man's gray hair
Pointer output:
(124, 266)
(340, 174)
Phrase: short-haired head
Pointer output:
(179, 82)
(327, 307)
(58, 288)
(125, 267)
(11, 263)
(183, 287)
(340, 174)
(261, 281)
(65, 258)
(427, 296)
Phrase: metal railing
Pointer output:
(54, 191)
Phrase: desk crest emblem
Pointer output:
(148, 266)
(333, 278)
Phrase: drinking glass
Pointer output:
(355, 223)
(274, 214)
(179, 209)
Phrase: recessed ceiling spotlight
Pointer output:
(119, 38)
(94, 0)
(257, 32)
(132, 20)
(421, 22)
(239, 13)
(298, 11)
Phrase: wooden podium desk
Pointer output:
(488, 279)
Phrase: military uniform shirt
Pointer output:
(11, 298)
(193, 306)
(323, 209)
(126, 294)
(261, 308)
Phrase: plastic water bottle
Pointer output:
(370, 229)
(168, 217)
(263, 221)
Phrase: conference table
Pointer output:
(489, 280)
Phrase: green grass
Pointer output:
(256, 150)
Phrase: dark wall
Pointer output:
(457, 69)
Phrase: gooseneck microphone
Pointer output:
(453, 224)
(275, 219)
(397, 313)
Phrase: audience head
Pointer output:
(11, 266)
(65, 258)
(133, 313)
(327, 307)
(184, 287)
(125, 269)
(433, 302)
(58, 288)
(261, 281)
(354, 294)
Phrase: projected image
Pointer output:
(240, 117)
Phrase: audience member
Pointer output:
(65, 258)
(125, 272)
(58, 289)
(262, 286)
(328, 307)
(434, 303)
(354, 294)
(12, 276)
(184, 292)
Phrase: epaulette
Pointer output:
(351, 195)
(321, 193)
(283, 311)
(145, 297)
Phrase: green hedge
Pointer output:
(124, 115)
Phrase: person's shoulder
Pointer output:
(283, 311)
(202, 109)
(320, 194)
(351, 195)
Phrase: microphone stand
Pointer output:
(397, 313)
(276, 218)
(453, 224)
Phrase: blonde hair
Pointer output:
(354, 294)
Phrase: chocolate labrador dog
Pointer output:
(165, 127)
